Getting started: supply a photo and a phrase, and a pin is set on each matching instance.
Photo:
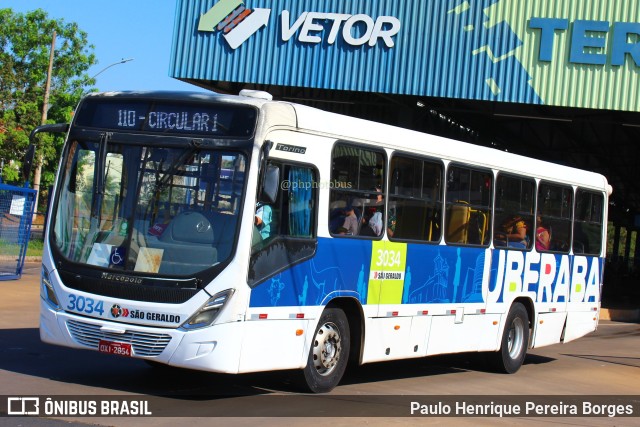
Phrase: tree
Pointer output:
(25, 43)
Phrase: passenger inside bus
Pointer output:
(543, 236)
(263, 219)
(372, 225)
(350, 225)
(372, 219)
(513, 233)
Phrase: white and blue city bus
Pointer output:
(238, 234)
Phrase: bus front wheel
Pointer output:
(329, 352)
(515, 341)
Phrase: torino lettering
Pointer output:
(544, 277)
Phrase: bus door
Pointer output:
(553, 215)
(394, 333)
(405, 265)
(586, 266)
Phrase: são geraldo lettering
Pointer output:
(544, 277)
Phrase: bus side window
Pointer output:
(515, 197)
(555, 203)
(415, 199)
(356, 206)
(292, 214)
(291, 222)
(468, 212)
(587, 228)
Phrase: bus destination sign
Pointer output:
(199, 119)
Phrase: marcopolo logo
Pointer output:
(237, 24)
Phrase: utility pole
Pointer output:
(45, 109)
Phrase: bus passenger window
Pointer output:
(514, 209)
(415, 199)
(356, 206)
(293, 212)
(468, 212)
(284, 232)
(587, 228)
(555, 204)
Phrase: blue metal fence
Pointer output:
(16, 214)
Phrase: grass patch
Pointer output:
(35, 248)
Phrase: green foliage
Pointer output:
(25, 43)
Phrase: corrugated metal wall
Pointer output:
(474, 49)
(564, 84)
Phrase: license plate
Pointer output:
(118, 348)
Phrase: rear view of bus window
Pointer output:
(554, 216)
(415, 199)
(587, 228)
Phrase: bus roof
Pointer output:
(392, 137)
(430, 145)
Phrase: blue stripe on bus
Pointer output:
(432, 274)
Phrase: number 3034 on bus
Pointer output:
(85, 305)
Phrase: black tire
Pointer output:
(329, 352)
(514, 343)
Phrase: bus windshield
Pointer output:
(153, 210)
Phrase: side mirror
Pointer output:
(271, 185)
(27, 162)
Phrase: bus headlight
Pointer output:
(46, 290)
(208, 313)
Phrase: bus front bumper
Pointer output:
(213, 349)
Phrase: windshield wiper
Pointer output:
(98, 192)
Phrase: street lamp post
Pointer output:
(45, 110)
(122, 61)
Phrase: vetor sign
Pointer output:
(237, 24)
(311, 28)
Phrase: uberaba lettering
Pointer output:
(544, 277)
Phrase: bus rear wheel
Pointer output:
(329, 352)
(515, 341)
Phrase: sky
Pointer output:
(120, 29)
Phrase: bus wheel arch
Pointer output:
(529, 306)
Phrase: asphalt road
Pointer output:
(606, 362)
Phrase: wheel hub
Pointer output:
(515, 338)
(327, 347)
